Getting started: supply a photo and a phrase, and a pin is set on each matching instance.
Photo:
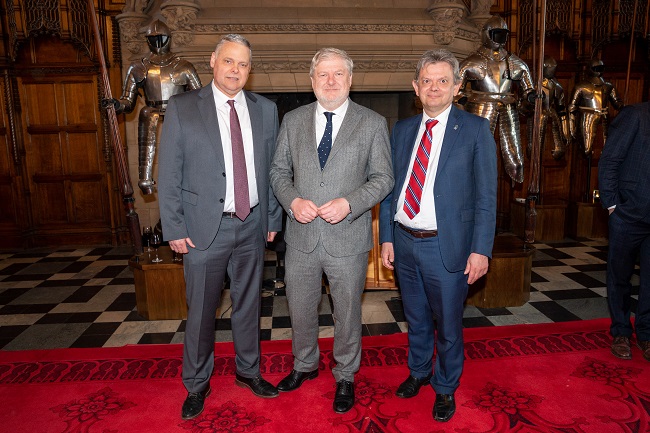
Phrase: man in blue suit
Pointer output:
(624, 182)
(437, 226)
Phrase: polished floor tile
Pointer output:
(85, 297)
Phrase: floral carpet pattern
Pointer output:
(527, 378)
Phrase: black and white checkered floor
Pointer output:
(85, 297)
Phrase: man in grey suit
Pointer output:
(331, 166)
(217, 208)
(437, 226)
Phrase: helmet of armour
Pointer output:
(158, 37)
(549, 67)
(596, 68)
(494, 34)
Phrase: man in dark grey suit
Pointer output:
(624, 182)
(332, 165)
(215, 198)
(437, 226)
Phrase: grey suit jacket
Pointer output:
(358, 169)
(192, 176)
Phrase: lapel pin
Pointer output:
(455, 127)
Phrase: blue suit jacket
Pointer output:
(624, 166)
(465, 188)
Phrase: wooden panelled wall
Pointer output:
(57, 180)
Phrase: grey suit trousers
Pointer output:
(303, 278)
(239, 250)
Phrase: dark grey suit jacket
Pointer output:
(624, 166)
(358, 169)
(192, 179)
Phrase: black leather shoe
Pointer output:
(411, 386)
(295, 379)
(193, 404)
(344, 398)
(258, 385)
(444, 407)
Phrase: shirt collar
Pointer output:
(340, 112)
(441, 118)
(222, 99)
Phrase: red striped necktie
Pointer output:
(419, 172)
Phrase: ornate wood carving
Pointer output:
(42, 17)
(626, 14)
(80, 32)
(10, 85)
(526, 20)
(558, 20)
(33, 18)
(558, 16)
(600, 24)
(12, 28)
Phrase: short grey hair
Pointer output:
(236, 38)
(437, 56)
(328, 53)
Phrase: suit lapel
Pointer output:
(349, 125)
(208, 112)
(404, 151)
(452, 132)
(310, 134)
(257, 125)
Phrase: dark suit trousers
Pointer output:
(627, 241)
(433, 303)
(239, 249)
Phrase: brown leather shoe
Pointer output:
(645, 348)
(621, 347)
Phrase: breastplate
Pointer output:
(496, 80)
(593, 97)
(159, 86)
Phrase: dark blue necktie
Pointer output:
(325, 145)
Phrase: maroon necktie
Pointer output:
(239, 174)
(419, 172)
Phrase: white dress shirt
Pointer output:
(337, 120)
(426, 218)
(223, 114)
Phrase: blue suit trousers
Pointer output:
(433, 301)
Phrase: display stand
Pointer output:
(507, 283)
(589, 220)
(550, 221)
(159, 287)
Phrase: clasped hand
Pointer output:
(334, 211)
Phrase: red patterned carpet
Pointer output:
(531, 378)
